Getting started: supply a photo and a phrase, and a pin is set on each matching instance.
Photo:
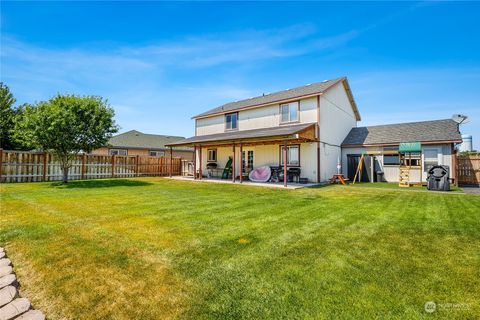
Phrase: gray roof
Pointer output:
(424, 131)
(311, 89)
(139, 140)
(280, 131)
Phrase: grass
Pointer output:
(155, 248)
(394, 185)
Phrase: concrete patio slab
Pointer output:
(290, 185)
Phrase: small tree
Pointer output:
(66, 125)
(7, 114)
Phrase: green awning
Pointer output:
(410, 147)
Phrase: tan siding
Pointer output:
(187, 155)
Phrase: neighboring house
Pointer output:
(311, 121)
(437, 139)
(137, 143)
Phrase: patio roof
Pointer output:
(297, 132)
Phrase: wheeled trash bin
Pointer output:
(438, 178)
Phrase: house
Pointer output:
(137, 143)
(305, 126)
(435, 139)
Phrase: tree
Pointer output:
(65, 126)
(7, 114)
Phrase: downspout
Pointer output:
(318, 139)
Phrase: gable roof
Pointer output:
(138, 140)
(424, 131)
(310, 90)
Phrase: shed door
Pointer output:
(352, 165)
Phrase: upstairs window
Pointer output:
(231, 121)
(391, 159)
(289, 112)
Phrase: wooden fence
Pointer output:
(24, 166)
(468, 170)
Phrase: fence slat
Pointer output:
(25, 166)
(468, 169)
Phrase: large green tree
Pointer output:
(65, 126)
(7, 114)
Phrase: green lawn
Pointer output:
(394, 185)
(155, 248)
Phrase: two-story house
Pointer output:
(299, 128)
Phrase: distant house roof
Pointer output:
(313, 89)
(425, 131)
(138, 140)
(272, 132)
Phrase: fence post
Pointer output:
(113, 166)
(44, 167)
(84, 160)
(136, 165)
(171, 161)
(1, 163)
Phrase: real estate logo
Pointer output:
(430, 306)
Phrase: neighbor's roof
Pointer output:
(313, 89)
(424, 131)
(281, 131)
(139, 140)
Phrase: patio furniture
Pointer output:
(261, 174)
(339, 178)
(293, 174)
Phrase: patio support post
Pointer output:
(171, 161)
(200, 175)
(241, 163)
(285, 164)
(194, 162)
(233, 164)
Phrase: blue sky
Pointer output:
(161, 63)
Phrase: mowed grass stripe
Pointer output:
(155, 248)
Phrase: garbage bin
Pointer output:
(438, 178)
(380, 176)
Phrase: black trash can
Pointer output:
(380, 176)
(438, 178)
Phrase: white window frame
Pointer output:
(211, 152)
(156, 153)
(391, 148)
(227, 128)
(291, 106)
(117, 152)
(289, 161)
(437, 150)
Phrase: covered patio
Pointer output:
(233, 150)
